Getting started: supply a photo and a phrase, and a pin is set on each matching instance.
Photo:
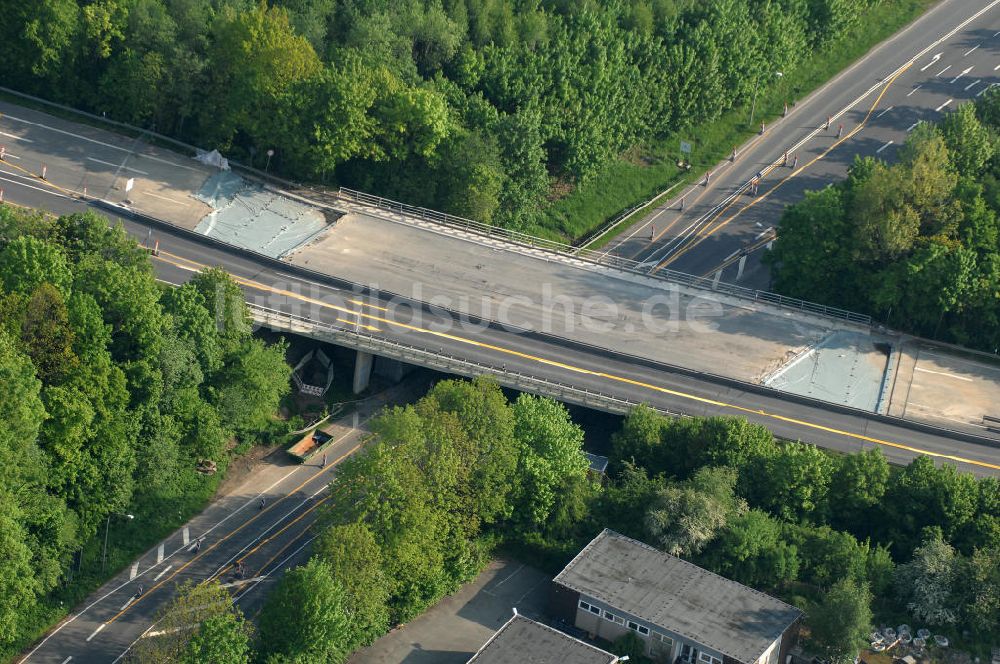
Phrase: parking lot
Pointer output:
(456, 627)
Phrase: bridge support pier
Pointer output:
(393, 370)
(362, 370)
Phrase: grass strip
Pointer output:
(624, 183)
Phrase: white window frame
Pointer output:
(640, 629)
(610, 617)
(663, 638)
(705, 658)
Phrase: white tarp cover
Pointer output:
(213, 158)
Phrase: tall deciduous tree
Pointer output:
(927, 583)
(355, 561)
(307, 617)
(197, 625)
(840, 622)
(551, 455)
(686, 516)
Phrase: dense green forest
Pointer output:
(464, 471)
(483, 108)
(915, 243)
(112, 387)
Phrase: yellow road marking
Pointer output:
(220, 541)
(269, 538)
(612, 377)
(704, 235)
(370, 328)
(746, 250)
(749, 147)
(287, 546)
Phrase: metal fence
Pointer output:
(351, 337)
(602, 258)
(514, 237)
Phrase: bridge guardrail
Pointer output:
(603, 258)
(348, 336)
(597, 257)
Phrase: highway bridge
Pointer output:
(296, 299)
(480, 307)
(342, 267)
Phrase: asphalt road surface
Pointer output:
(949, 56)
(551, 358)
(233, 529)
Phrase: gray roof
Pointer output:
(598, 463)
(679, 597)
(524, 641)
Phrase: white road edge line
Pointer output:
(101, 143)
(31, 186)
(96, 631)
(276, 568)
(665, 251)
(944, 104)
(125, 652)
(97, 601)
(944, 373)
(883, 147)
(16, 138)
(108, 163)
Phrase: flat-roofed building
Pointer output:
(684, 613)
(524, 641)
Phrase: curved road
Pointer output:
(948, 56)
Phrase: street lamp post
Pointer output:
(753, 106)
(270, 153)
(107, 527)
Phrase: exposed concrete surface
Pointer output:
(247, 215)
(845, 368)
(944, 388)
(643, 316)
(647, 318)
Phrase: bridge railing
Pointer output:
(602, 258)
(358, 339)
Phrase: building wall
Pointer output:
(563, 603)
(788, 639)
(603, 626)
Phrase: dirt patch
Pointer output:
(560, 189)
(242, 467)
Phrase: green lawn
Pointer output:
(628, 182)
